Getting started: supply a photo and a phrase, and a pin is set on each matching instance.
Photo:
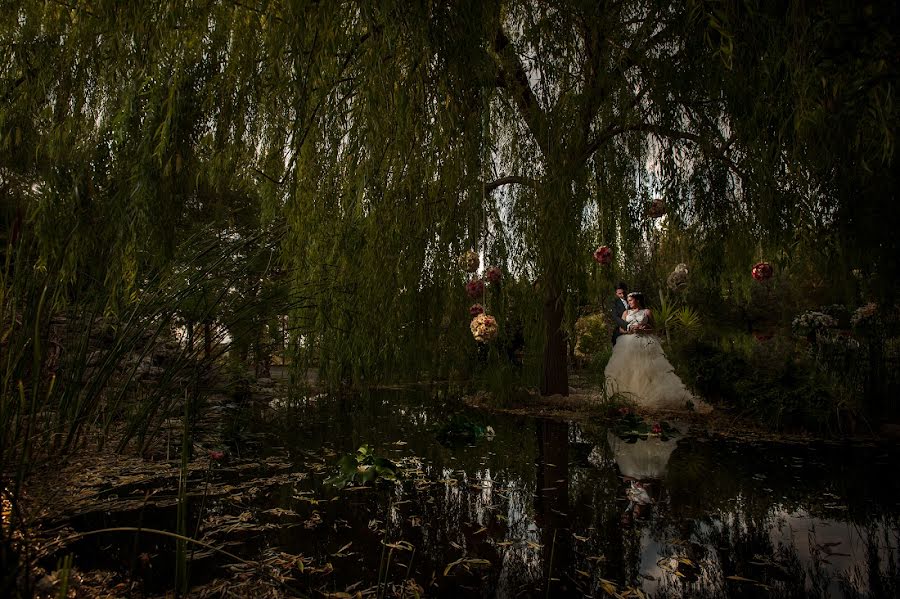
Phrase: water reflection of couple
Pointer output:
(638, 366)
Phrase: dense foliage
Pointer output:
(357, 149)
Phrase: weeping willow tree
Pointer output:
(384, 139)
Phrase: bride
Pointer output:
(639, 366)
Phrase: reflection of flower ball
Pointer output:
(657, 208)
(657, 429)
(493, 274)
(476, 309)
(603, 255)
(762, 271)
(678, 278)
(475, 287)
(484, 328)
(469, 261)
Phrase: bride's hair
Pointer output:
(639, 298)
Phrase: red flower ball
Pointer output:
(603, 255)
(657, 429)
(475, 287)
(762, 271)
(656, 209)
(216, 455)
(493, 274)
(476, 309)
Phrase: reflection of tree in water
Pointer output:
(551, 504)
(724, 508)
(881, 573)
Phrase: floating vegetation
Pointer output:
(361, 468)
(462, 429)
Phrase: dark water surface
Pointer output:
(543, 503)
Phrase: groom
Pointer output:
(617, 307)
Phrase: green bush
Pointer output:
(769, 382)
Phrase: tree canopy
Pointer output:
(377, 141)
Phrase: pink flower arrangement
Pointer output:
(762, 271)
(603, 255)
(475, 287)
(476, 309)
(493, 274)
(484, 328)
(657, 208)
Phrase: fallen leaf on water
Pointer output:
(451, 565)
(741, 578)
(477, 562)
(608, 586)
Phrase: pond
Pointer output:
(523, 507)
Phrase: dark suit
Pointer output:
(617, 307)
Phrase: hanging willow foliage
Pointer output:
(388, 137)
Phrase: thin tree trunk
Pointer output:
(207, 339)
(554, 373)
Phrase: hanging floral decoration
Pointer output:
(762, 271)
(475, 288)
(603, 255)
(476, 309)
(657, 208)
(493, 274)
(469, 261)
(678, 278)
(484, 328)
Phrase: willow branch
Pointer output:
(510, 180)
(514, 79)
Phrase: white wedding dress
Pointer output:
(639, 367)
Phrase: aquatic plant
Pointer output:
(362, 467)
(462, 428)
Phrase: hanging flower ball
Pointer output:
(475, 288)
(762, 271)
(657, 208)
(603, 255)
(476, 309)
(678, 278)
(493, 274)
(484, 328)
(469, 261)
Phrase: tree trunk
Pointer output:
(190, 336)
(554, 372)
